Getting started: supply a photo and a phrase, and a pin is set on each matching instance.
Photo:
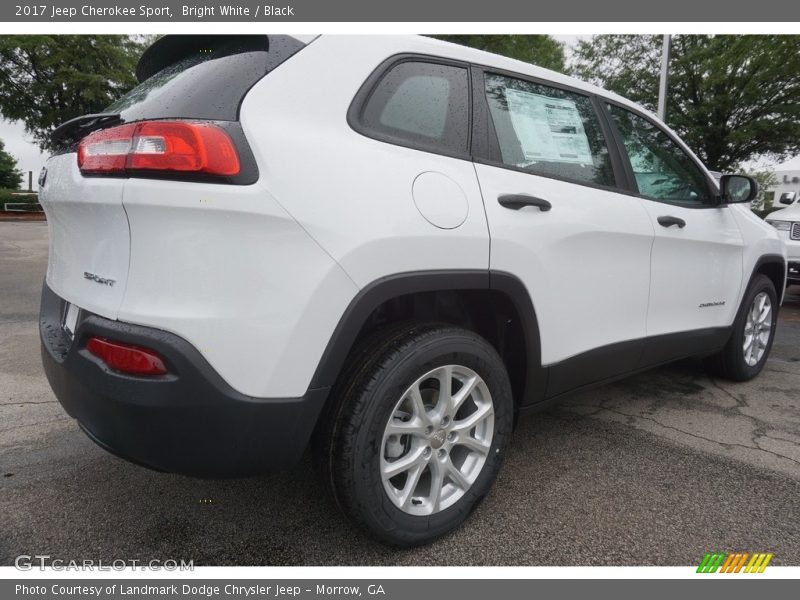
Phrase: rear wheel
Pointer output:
(746, 352)
(418, 431)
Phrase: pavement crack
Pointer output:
(740, 402)
(768, 368)
(773, 453)
(25, 403)
(756, 445)
(767, 434)
(38, 423)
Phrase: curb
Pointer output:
(11, 216)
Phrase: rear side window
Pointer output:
(202, 77)
(663, 171)
(420, 104)
(548, 131)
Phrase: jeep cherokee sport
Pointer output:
(384, 248)
(787, 222)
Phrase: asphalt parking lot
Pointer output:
(655, 470)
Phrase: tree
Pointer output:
(10, 175)
(540, 50)
(732, 98)
(48, 79)
(766, 179)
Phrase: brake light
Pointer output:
(125, 358)
(166, 146)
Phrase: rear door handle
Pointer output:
(669, 221)
(517, 201)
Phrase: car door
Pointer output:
(696, 263)
(557, 220)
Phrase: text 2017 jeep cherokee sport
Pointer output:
(382, 247)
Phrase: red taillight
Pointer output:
(106, 151)
(127, 359)
(177, 146)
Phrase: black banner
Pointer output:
(443, 11)
(397, 589)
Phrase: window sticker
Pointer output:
(549, 129)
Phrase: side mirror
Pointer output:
(737, 188)
(786, 200)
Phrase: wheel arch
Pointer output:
(774, 267)
(495, 304)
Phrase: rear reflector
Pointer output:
(165, 146)
(132, 360)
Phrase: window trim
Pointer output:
(713, 194)
(367, 89)
(485, 136)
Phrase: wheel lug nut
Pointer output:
(442, 452)
(426, 451)
(445, 421)
(451, 436)
(429, 430)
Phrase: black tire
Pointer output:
(730, 362)
(348, 444)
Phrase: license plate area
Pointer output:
(69, 323)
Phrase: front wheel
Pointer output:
(418, 431)
(746, 352)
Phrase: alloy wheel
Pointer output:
(757, 329)
(437, 440)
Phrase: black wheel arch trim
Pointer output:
(381, 290)
(537, 386)
(766, 259)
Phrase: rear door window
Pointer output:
(548, 131)
(420, 104)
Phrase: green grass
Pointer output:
(31, 202)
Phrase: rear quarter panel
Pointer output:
(353, 194)
(226, 268)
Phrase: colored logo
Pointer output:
(735, 562)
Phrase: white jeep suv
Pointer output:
(384, 248)
(787, 222)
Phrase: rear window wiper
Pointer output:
(73, 130)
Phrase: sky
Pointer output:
(21, 146)
(791, 165)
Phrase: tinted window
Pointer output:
(204, 78)
(421, 104)
(662, 169)
(547, 131)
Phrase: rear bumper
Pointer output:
(189, 421)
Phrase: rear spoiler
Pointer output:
(77, 128)
(171, 48)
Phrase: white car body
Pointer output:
(258, 277)
(787, 221)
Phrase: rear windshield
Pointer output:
(207, 79)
